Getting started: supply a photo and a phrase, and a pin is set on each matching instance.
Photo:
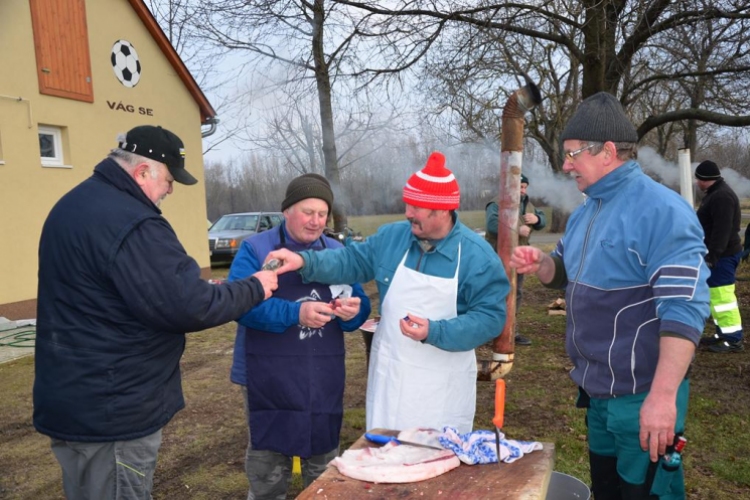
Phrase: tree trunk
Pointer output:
(559, 221)
(323, 81)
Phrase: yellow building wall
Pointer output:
(27, 190)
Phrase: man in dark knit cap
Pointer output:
(632, 264)
(720, 216)
(530, 219)
(289, 354)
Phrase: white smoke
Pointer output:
(668, 172)
(560, 190)
(557, 190)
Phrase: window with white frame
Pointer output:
(51, 146)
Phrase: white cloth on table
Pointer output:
(478, 447)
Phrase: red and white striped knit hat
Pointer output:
(433, 187)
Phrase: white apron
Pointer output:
(411, 384)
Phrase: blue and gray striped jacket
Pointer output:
(634, 259)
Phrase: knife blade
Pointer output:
(383, 439)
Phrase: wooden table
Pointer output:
(525, 479)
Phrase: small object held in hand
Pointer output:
(271, 265)
(410, 322)
(332, 305)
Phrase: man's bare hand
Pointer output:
(526, 259)
(291, 261)
(531, 219)
(315, 314)
(269, 280)
(657, 420)
(346, 309)
(415, 328)
(524, 231)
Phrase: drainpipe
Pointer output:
(213, 122)
(21, 99)
(509, 200)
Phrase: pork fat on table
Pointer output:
(394, 463)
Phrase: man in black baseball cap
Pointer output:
(117, 293)
(161, 145)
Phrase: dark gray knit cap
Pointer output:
(600, 118)
(707, 171)
(308, 186)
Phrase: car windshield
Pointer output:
(236, 222)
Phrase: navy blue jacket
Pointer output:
(117, 292)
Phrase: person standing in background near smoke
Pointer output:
(631, 261)
(289, 351)
(529, 219)
(720, 215)
(442, 293)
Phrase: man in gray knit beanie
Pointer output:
(600, 118)
(632, 263)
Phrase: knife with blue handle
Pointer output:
(382, 439)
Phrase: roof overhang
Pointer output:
(207, 111)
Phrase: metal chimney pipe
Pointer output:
(509, 199)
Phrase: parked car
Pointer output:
(226, 234)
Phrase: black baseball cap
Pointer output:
(161, 145)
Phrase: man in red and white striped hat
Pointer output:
(442, 293)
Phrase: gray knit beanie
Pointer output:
(600, 118)
(308, 186)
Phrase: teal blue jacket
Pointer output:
(482, 283)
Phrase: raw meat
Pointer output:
(421, 435)
(395, 463)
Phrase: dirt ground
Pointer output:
(203, 447)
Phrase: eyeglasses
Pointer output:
(571, 155)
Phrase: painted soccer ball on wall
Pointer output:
(125, 63)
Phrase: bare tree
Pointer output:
(604, 38)
(471, 53)
(310, 37)
(203, 59)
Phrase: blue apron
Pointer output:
(295, 380)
